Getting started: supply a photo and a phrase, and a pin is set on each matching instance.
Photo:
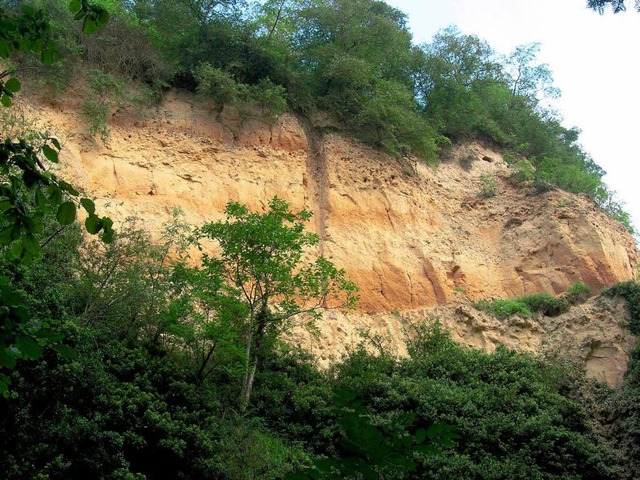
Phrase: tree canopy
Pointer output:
(617, 6)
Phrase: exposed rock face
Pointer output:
(410, 240)
(592, 333)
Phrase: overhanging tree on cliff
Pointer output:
(261, 265)
(616, 5)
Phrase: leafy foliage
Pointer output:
(260, 270)
(528, 305)
(630, 291)
(577, 292)
(617, 6)
(28, 192)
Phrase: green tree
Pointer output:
(261, 265)
(616, 5)
(527, 78)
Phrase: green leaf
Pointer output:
(29, 348)
(67, 187)
(88, 205)
(50, 153)
(17, 252)
(75, 5)
(5, 205)
(66, 213)
(6, 100)
(103, 18)
(41, 200)
(30, 244)
(6, 234)
(5, 50)
(89, 25)
(93, 224)
(65, 351)
(46, 57)
(421, 435)
(13, 85)
(107, 235)
(7, 359)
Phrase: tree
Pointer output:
(527, 78)
(261, 265)
(616, 5)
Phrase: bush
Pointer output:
(515, 417)
(538, 303)
(216, 85)
(545, 304)
(107, 94)
(630, 291)
(577, 292)
(271, 99)
(503, 308)
(489, 188)
(523, 172)
(221, 88)
(97, 115)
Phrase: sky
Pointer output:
(594, 60)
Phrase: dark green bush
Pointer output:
(630, 291)
(545, 304)
(513, 416)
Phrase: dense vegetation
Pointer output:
(135, 401)
(353, 59)
(536, 303)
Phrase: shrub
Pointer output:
(577, 292)
(523, 172)
(630, 291)
(489, 188)
(107, 94)
(97, 115)
(216, 85)
(515, 416)
(125, 49)
(271, 98)
(537, 303)
(545, 304)
(503, 308)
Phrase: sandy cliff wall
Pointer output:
(409, 240)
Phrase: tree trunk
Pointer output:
(247, 388)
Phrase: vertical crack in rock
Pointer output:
(115, 172)
(381, 285)
(318, 180)
(432, 276)
(410, 290)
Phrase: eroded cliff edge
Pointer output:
(411, 240)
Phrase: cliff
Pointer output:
(412, 237)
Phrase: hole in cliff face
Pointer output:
(513, 222)
(487, 159)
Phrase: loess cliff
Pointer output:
(418, 240)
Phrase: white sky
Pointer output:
(594, 60)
